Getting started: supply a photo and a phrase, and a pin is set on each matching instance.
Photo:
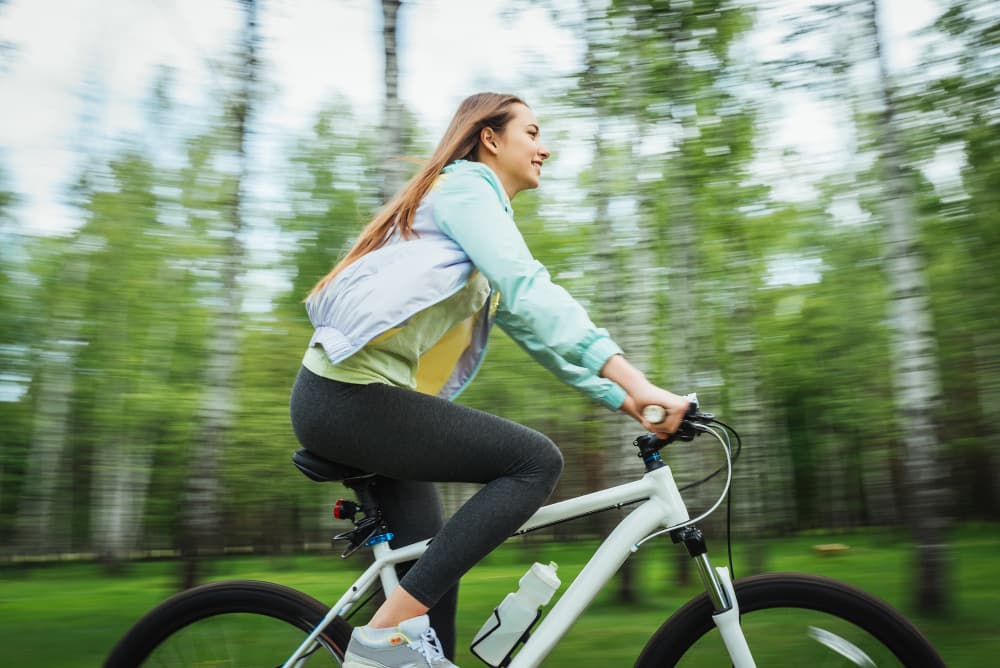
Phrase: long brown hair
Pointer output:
(460, 140)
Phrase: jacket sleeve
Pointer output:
(540, 315)
(607, 392)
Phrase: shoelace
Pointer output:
(429, 646)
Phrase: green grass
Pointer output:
(69, 615)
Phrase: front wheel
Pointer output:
(794, 620)
(236, 623)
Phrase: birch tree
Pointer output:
(651, 71)
(12, 340)
(394, 171)
(612, 303)
(134, 304)
(202, 493)
(688, 76)
(915, 375)
(54, 383)
(962, 101)
(832, 58)
(62, 271)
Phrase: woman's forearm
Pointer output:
(619, 370)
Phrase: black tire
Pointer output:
(780, 614)
(235, 623)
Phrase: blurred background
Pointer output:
(790, 208)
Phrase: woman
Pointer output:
(401, 325)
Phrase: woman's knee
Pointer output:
(536, 458)
(549, 460)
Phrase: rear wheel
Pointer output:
(794, 619)
(237, 623)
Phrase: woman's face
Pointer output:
(519, 152)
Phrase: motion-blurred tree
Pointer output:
(890, 133)
(61, 267)
(202, 495)
(964, 243)
(393, 141)
(843, 77)
(915, 371)
(105, 332)
(19, 325)
(332, 192)
(684, 89)
(133, 309)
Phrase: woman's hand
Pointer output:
(674, 405)
(641, 393)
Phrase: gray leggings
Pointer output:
(413, 440)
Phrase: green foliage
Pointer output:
(122, 306)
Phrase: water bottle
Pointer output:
(517, 613)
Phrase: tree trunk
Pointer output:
(748, 411)
(35, 522)
(685, 327)
(782, 504)
(122, 476)
(393, 169)
(987, 354)
(880, 500)
(201, 512)
(120, 485)
(915, 374)
(636, 304)
(610, 293)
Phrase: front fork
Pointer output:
(719, 587)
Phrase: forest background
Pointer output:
(838, 307)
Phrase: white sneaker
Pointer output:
(412, 644)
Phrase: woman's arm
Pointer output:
(538, 313)
(603, 390)
(469, 210)
(641, 393)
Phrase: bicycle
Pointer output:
(772, 619)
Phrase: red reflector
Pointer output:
(344, 509)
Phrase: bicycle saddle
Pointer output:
(323, 470)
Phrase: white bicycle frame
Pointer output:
(662, 508)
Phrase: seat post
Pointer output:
(371, 529)
(362, 488)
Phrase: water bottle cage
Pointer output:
(367, 532)
(505, 661)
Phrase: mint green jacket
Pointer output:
(464, 224)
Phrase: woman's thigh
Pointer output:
(407, 435)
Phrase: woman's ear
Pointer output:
(489, 139)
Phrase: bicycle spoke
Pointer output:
(236, 640)
(841, 646)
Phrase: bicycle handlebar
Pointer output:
(654, 414)
(692, 424)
